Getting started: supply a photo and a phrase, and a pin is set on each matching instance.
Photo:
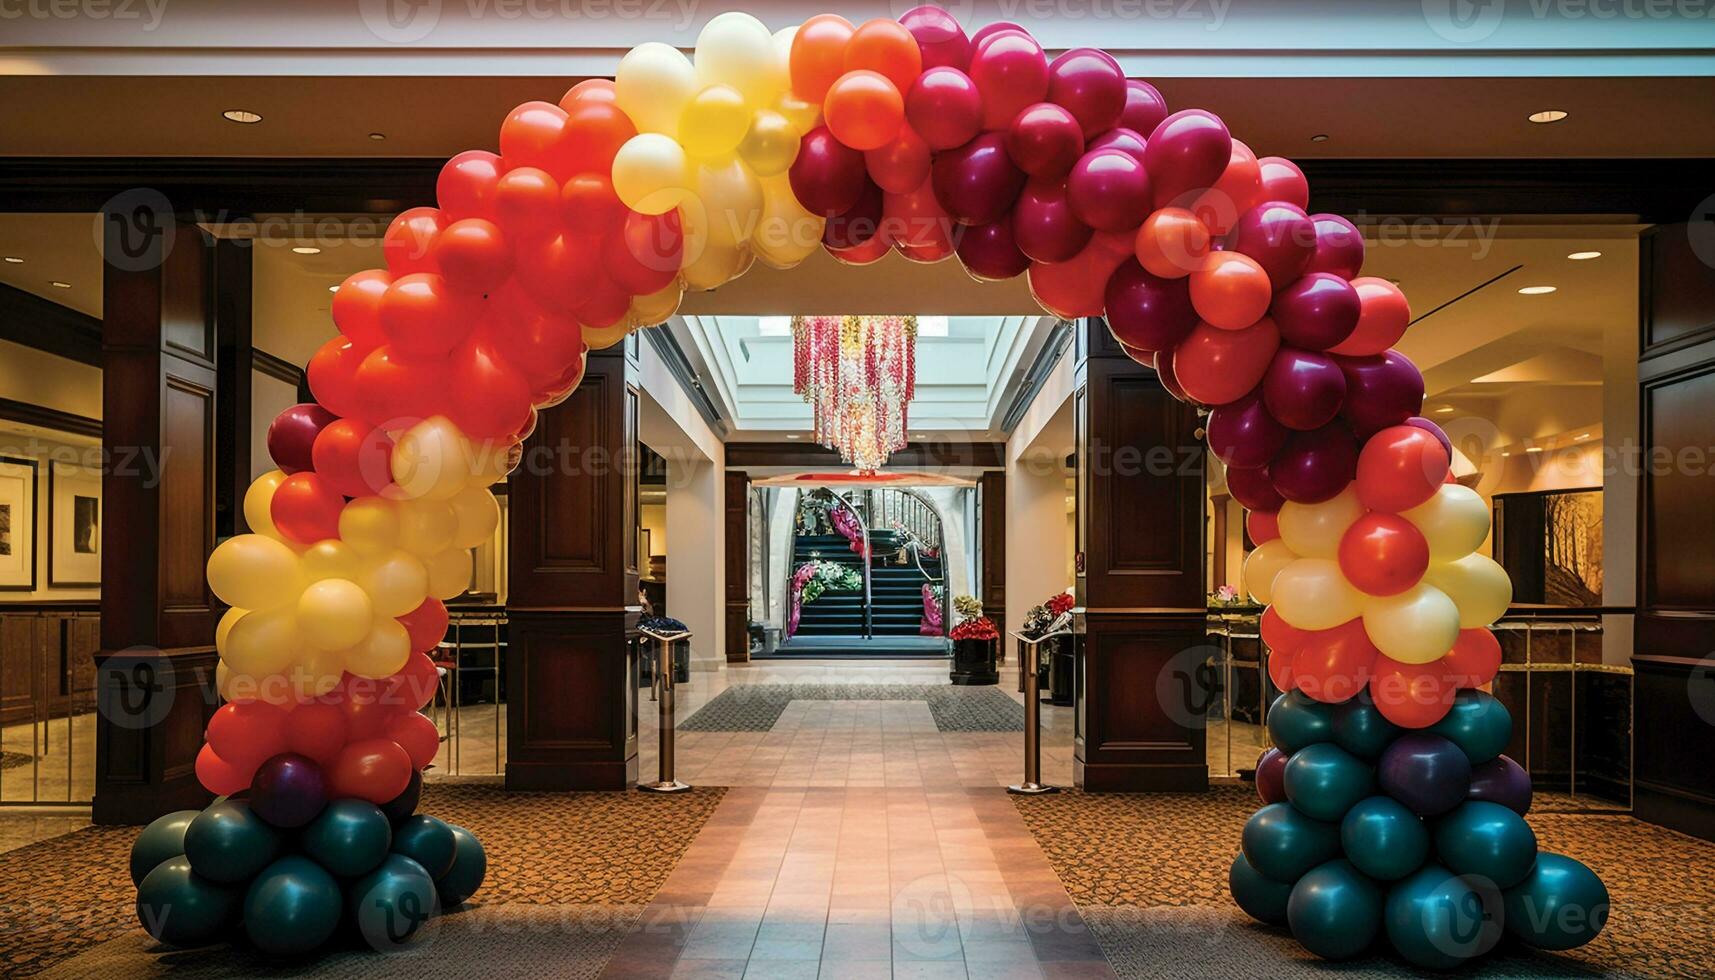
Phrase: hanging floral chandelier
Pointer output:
(859, 374)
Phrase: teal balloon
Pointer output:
(1296, 720)
(292, 907)
(1324, 780)
(228, 842)
(1335, 911)
(349, 838)
(1383, 839)
(470, 866)
(1479, 724)
(1486, 839)
(1437, 920)
(1360, 728)
(390, 905)
(162, 839)
(179, 907)
(1261, 898)
(1560, 905)
(428, 841)
(1281, 843)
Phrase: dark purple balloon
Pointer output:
(1043, 223)
(1108, 190)
(1144, 106)
(1186, 154)
(288, 790)
(828, 176)
(1090, 84)
(1280, 236)
(977, 182)
(1119, 138)
(1147, 312)
(405, 804)
(1314, 466)
(1303, 389)
(1434, 430)
(1163, 364)
(1045, 140)
(1339, 247)
(990, 253)
(1243, 435)
(1503, 781)
(1254, 489)
(1427, 773)
(939, 36)
(1382, 390)
(1317, 311)
(858, 223)
(1271, 776)
(293, 432)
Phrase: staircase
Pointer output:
(896, 590)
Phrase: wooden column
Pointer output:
(991, 515)
(1140, 580)
(737, 567)
(571, 670)
(156, 665)
(235, 352)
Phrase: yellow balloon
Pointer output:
(330, 559)
(1314, 530)
(599, 338)
(381, 651)
(449, 573)
(1477, 584)
(478, 514)
(334, 613)
(652, 85)
(1416, 626)
(396, 582)
(737, 49)
(714, 122)
(370, 525)
(804, 116)
(657, 307)
(263, 642)
(786, 234)
(253, 572)
(1311, 594)
(731, 199)
(316, 673)
(770, 145)
(259, 501)
(432, 459)
(1454, 522)
(651, 173)
(1262, 565)
(717, 266)
(491, 461)
(428, 526)
(223, 629)
(236, 686)
(780, 68)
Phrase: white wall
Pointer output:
(696, 564)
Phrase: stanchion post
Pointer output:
(1027, 665)
(663, 687)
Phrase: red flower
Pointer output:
(1061, 604)
(981, 628)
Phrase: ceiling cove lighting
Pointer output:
(57, 284)
(1533, 449)
(1537, 290)
(14, 260)
(1584, 256)
(1548, 116)
(244, 116)
(306, 250)
(377, 137)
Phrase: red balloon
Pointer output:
(1279, 635)
(332, 374)
(417, 735)
(316, 729)
(292, 436)
(1383, 554)
(917, 220)
(1144, 107)
(1230, 291)
(1044, 226)
(997, 27)
(828, 176)
(865, 253)
(590, 206)
(1271, 776)
(527, 203)
(1163, 364)
(1090, 84)
(1383, 315)
(538, 345)
(1474, 659)
(394, 393)
(939, 36)
(415, 684)
(1399, 468)
(354, 458)
(1411, 695)
(473, 255)
(1283, 181)
(977, 182)
(1339, 247)
(356, 307)
(648, 252)
(374, 769)
(1078, 286)
(858, 224)
(1011, 72)
(1237, 191)
(1145, 311)
(1218, 366)
(1108, 189)
(559, 272)
(367, 708)
(489, 399)
(1186, 154)
(1333, 665)
(1118, 138)
(244, 733)
(589, 90)
(306, 508)
(1243, 435)
(944, 107)
(409, 243)
(1314, 466)
(220, 777)
(1303, 389)
(1255, 488)
(533, 135)
(1262, 525)
(423, 317)
(593, 134)
(901, 166)
(1045, 140)
(465, 187)
(1279, 236)
(990, 252)
(1280, 669)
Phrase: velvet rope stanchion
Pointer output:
(665, 781)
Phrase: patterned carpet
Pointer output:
(756, 707)
(567, 876)
(1149, 873)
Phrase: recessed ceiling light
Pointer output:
(1548, 116)
(1582, 436)
(1533, 449)
(377, 137)
(306, 250)
(14, 260)
(1581, 256)
(242, 116)
(60, 285)
(1505, 454)
(1444, 410)
(1319, 138)
(333, 289)
(1537, 290)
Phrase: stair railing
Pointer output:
(866, 556)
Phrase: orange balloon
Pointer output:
(1172, 243)
(901, 166)
(1334, 664)
(1238, 190)
(1078, 286)
(1411, 695)
(818, 55)
(885, 46)
(589, 90)
(1474, 659)
(1218, 366)
(864, 110)
(1383, 314)
(915, 221)
(1230, 291)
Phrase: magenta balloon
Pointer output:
(1382, 390)
(293, 432)
(1314, 466)
(858, 223)
(1303, 389)
(939, 36)
(1283, 181)
(1280, 236)
(990, 253)
(1109, 190)
(1254, 490)
(1045, 140)
(1119, 138)
(1339, 247)
(1186, 154)
(1144, 106)
(1435, 430)
(1316, 311)
(1011, 72)
(1148, 312)
(1091, 85)
(1243, 434)
(828, 176)
(990, 30)
(944, 107)
(1271, 776)
(977, 182)
(1164, 371)
(1043, 223)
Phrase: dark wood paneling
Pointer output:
(1675, 784)
(276, 367)
(1143, 721)
(572, 704)
(1677, 305)
(235, 355)
(31, 321)
(1676, 590)
(49, 418)
(991, 497)
(737, 617)
(918, 455)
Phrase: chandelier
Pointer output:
(859, 374)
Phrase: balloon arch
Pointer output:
(1389, 807)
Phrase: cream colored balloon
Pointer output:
(770, 145)
(449, 573)
(223, 629)
(382, 652)
(1455, 522)
(223, 680)
(1311, 594)
(804, 116)
(397, 583)
(714, 122)
(370, 525)
(254, 572)
(737, 49)
(335, 613)
(652, 85)
(1263, 564)
(731, 198)
(657, 307)
(263, 642)
(786, 234)
(236, 686)
(1314, 530)
(1416, 626)
(431, 459)
(707, 264)
(780, 71)
(316, 673)
(428, 526)
(478, 514)
(332, 558)
(652, 173)
(1477, 584)
(491, 462)
(259, 502)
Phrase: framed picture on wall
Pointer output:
(74, 527)
(17, 524)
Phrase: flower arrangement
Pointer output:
(813, 578)
(1041, 620)
(967, 606)
(973, 625)
(931, 624)
(1226, 595)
